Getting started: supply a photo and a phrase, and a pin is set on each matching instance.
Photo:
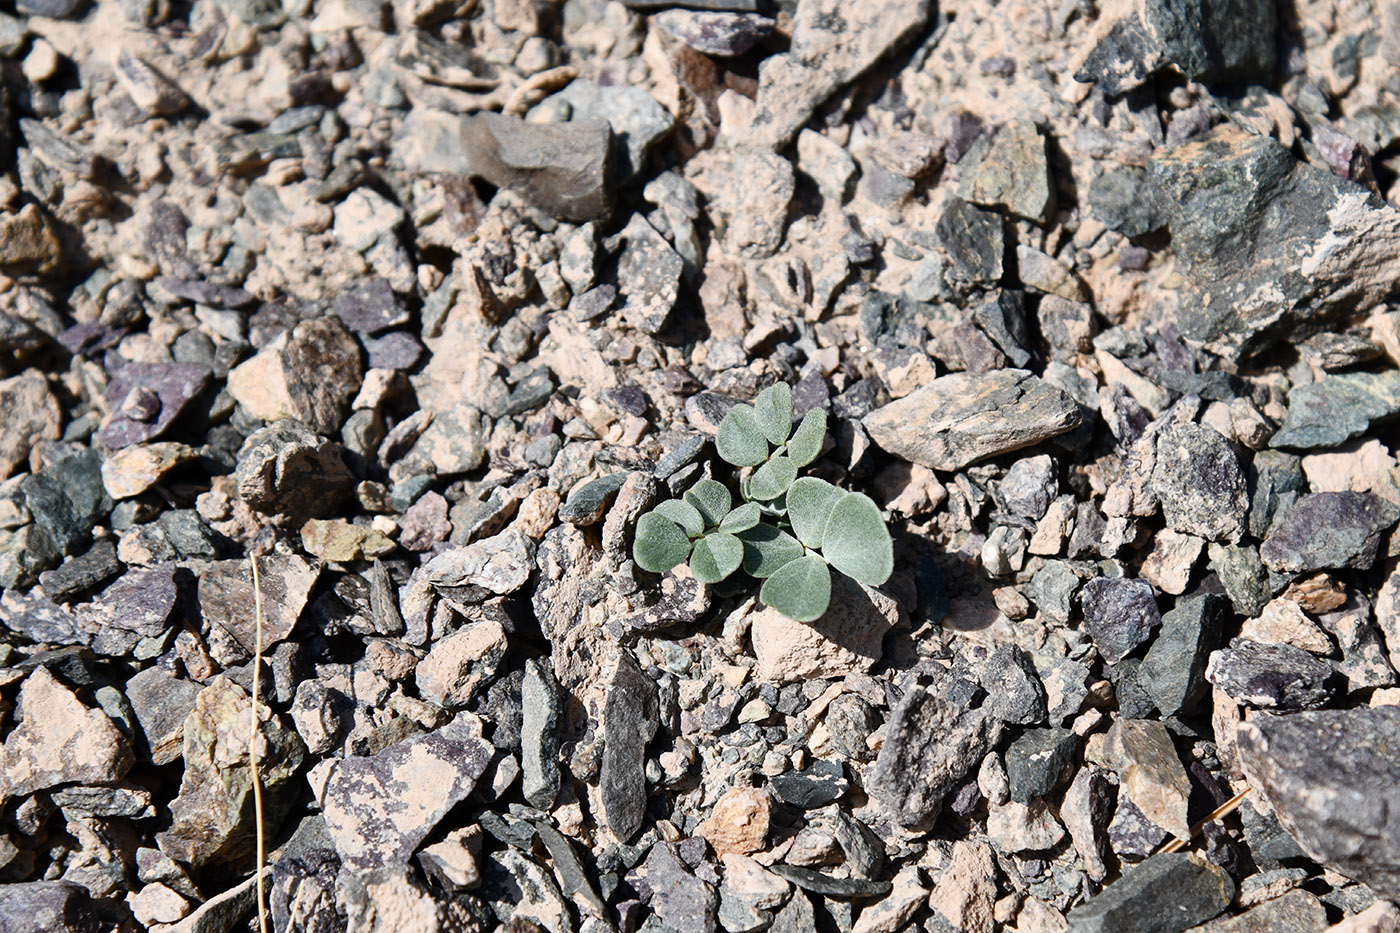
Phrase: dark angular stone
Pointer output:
(818, 784)
(370, 308)
(1329, 530)
(630, 721)
(1333, 778)
(542, 713)
(561, 168)
(1198, 480)
(174, 386)
(1038, 760)
(1119, 615)
(1014, 692)
(1271, 676)
(1168, 893)
(974, 238)
(716, 33)
(1123, 200)
(82, 574)
(54, 906)
(586, 502)
(1172, 672)
(1337, 408)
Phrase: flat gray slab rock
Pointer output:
(379, 809)
(965, 417)
(1333, 779)
(1337, 408)
(1168, 893)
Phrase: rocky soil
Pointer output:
(415, 307)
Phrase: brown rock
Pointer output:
(848, 638)
(340, 541)
(28, 414)
(310, 373)
(460, 663)
(739, 822)
(28, 243)
(60, 741)
(132, 470)
(227, 601)
(967, 889)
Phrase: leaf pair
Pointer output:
(747, 431)
(700, 526)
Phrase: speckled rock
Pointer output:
(847, 638)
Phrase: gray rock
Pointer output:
(648, 276)
(212, 819)
(1028, 487)
(748, 190)
(1199, 483)
(636, 119)
(1167, 893)
(380, 808)
(1329, 530)
(820, 783)
(1247, 219)
(850, 719)
(933, 741)
(1208, 40)
(1123, 200)
(587, 501)
(370, 307)
(1337, 408)
(1052, 590)
(161, 702)
(815, 882)
(1243, 575)
(1014, 692)
(67, 499)
(1271, 676)
(1295, 912)
(1277, 480)
(172, 386)
(715, 33)
(1119, 615)
(52, 906)
(1172, 672)
(680, 900)
(53, 9)
(1009, 171)
(521, 892)
(975, 240)
(1087, 810)
(564, 169)
(79, 575)
(226, 591)
(629, 722)
(542, 713)
(1333, 779)
(832, 44)
(1038, 760)
(288, 468)
(961, 418)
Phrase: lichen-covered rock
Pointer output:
(1199, 482)
(1329, 530)
(212, 820)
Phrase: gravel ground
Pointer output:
(416, 307)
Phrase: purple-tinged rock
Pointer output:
(206, 293)
(1119, 615)
(722, 34)
(370, 308)
(1329, 530)
(1271, 676)
(174, 385)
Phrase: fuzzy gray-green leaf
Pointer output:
(801, 590)
(711, 499)
(741, 519)
(773, 478)
(766, 549)
(740, 441)
(660, 543)
(773, 412)
(806, 443)
(683, 514)
(856, 541)
(809, 504)
(716, 556)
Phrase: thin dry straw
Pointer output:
(1176, 845)
(253, 744)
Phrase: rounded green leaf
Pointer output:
(766, 549)
(809, 502)
(711, 499)
(773, 478)
(801, 590)
(683, 514)
(716, 556)
(773, 411)
(740, 441)
(741, 519)
(660, 543)
(856, 541)
(806, 443)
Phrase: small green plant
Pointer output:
(787, 532)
